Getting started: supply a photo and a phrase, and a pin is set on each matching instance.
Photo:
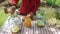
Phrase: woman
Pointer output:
(27, 7)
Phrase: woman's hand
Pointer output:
(31, 14)
(11, 9)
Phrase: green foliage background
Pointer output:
(53, 2)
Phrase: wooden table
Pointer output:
(36, 30)
(33, 30)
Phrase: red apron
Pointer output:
(28, 6)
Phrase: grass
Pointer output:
(3, 17)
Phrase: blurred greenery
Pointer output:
(57, 3)
(19, 3)
(3, 16)
(53, 2)
(1, 1)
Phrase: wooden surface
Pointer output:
(33, 30)
(37, 30)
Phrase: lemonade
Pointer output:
(27, 22)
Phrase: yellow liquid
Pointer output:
(28, 22)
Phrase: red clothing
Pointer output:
(28, 6)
